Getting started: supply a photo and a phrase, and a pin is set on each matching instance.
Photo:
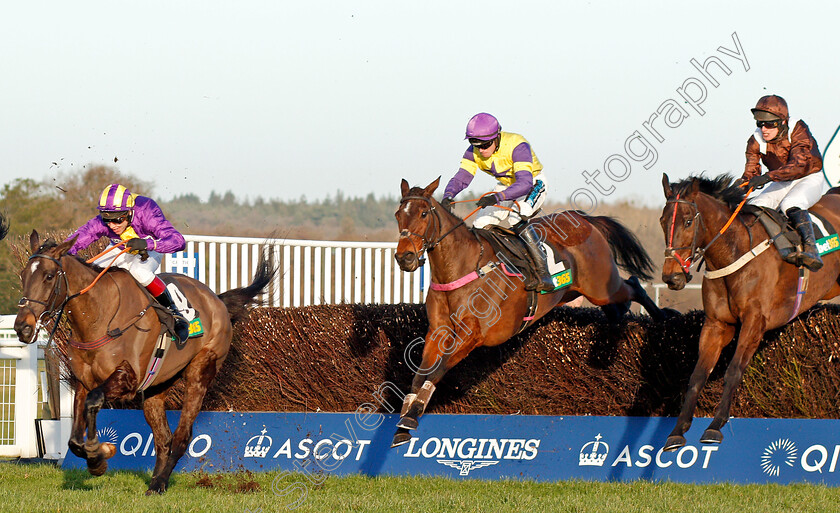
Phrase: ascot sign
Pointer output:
(309, 447)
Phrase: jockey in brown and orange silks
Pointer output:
(139, 223)
(509, 158)
(793, 162)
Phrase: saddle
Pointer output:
(510, 249)
(784, 235)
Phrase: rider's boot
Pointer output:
(162, 296)
(810, 255)
(527, 233)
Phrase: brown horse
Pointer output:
(114, 343)
(760, 296)
(491, 308)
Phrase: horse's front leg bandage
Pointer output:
(425, 394)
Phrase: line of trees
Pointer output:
(58, 205)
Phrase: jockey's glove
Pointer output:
(486, 201)
(446, 203)
(757, 182)
(137, 246)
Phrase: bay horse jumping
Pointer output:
(760, 295)
(472, 305)
(116, 335)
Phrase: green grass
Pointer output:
(44, 488)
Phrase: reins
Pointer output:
(697, 253)
(55, 312)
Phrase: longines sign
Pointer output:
(488, 447)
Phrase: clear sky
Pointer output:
(282, 99)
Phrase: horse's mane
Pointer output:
(420, 191)
(50, 244)
(719, 188)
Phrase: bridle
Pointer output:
(52, 309)
(426, 237)
(696, 252)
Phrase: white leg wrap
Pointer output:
(409, 398)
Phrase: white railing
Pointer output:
(311, 272)
(23, 390)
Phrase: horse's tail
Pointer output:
(239, 300)
(4, 226)
(626, 248)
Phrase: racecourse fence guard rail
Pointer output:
(311, 272)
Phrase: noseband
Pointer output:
(426, 237)
(696, 252)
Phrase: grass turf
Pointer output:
(45, 488)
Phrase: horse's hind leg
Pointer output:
(640, 296)
(748, 341)
(119, 385)
(713, 337)
(198, 376)
(155, 413)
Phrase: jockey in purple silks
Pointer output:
(508, 157)
(138, 222)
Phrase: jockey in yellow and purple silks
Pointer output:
(509, 158)
(139, 223)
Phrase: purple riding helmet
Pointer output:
(116, 198)
(484, 127)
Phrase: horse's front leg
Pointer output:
(714, 336)
(749, 339)
(444, 347)
(120, 385)
(77, 434)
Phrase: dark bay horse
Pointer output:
(115, 334)
(759, 296)
(489, 310)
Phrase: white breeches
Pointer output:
(523, 206)
(143, 272)
(802, 192)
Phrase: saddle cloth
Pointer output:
(784, 234)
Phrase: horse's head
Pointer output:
(419, 224)
(679, 221)
(694, 209)
(44, 286)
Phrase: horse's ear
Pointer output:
(34, 241)
(431, 187)
(666, 185)
(404, 188)
(64, 246)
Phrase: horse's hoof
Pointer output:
(97, 469)
(108, 450)
(711, 436)
(401, 437)
(673, 443)
(156, 488)
(408, 423)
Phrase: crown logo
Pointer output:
(594, 453)
(258, 445)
